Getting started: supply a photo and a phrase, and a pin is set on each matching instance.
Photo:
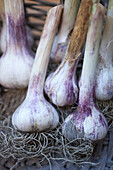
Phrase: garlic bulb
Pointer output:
(35, 113)
(67, 23)
(59, 85)
(17, 60)
(104, 79)
(87, 121)
(3, 34)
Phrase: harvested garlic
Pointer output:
(87, 121)
(61, 86)
(36, 113)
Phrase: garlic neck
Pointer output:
(15, 20)
(87, 82)
(39, 69)
(68, 19)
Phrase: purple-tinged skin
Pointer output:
(59, 86)
(86, 122)
(17, 58)
(59, 54)
(33, 85)
(16, 35)
(35, 109)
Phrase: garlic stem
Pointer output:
(2, 7)
(68, 19)
(16, 62)
(15, 19)
(91, 56)
(44, 49)
(35, 113)
(66, 26)
(3, 35)
(87, 121)
(3, 29)
(80, 30)
(59, 85)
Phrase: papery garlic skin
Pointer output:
(60, 89)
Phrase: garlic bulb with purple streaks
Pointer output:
(36, 113)
(87, 121)
(59, 85)
(16, 62)
(67, 23)
(104, 79)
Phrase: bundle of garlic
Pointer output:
(3, 34)
(87, 121)
(35, 113)
(61, 86)
(17, 60)
(104, 79)
(63, 36)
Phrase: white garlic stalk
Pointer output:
(61, 86)
(36, 113)
(67, 23)
(17, 60)
(3, 29)
(3, 34)
(87, 121)
(104, 79)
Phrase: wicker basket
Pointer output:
(102, 157)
